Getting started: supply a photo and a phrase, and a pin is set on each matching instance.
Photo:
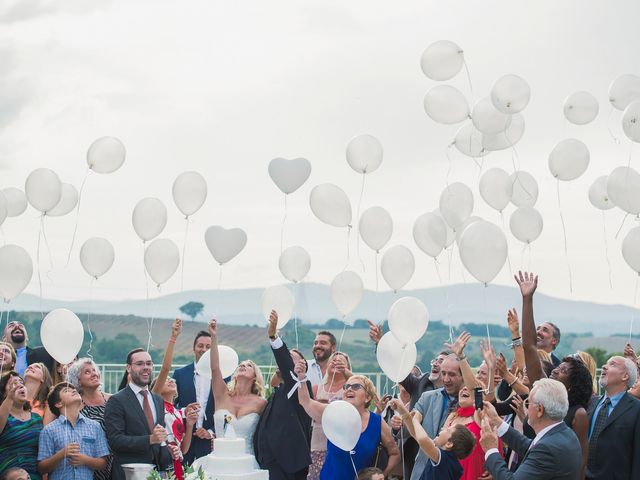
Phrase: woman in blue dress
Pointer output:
(359, 392)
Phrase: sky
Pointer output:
(224, 87)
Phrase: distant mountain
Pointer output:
(458, 303)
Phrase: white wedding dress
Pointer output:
(244, 427)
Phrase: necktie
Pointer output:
(601, 419)
(146, 407)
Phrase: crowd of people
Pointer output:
(521, 414)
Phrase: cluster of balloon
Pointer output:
(228, 362)
(396, 352)
(347, 291)
(62, 335)
(280, 299)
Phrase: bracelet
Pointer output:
(272, 337)
(172, 340)
(405, 415)
(514, 339)
(514, 382)
(516, 343)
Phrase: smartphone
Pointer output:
(477, 397)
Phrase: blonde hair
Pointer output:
(257, 388)
(12, 351)
(590, 363)
(41, 395)
(369, 388)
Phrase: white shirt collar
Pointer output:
(136, 388)
(543, 432)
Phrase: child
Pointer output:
(371, 473)
(15, 473)
(72, 446)
(451, 445)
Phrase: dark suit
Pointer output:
(556, 456)
(39, 354)
(283, 435)
(618, 447)
(128, 432)
(185, 382)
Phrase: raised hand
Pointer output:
(398, 406)
(375, 332)
(517, 405)
(176, 328)
(513, 322)
(630, 353)
(191, 413)
(213, 328)
(203, 434)
(488, 436)
(174, 450)
(273, 324)
(488, 354)
(299, 369)
(457, 347)
(158, 435)
(528, 282)
(490, 414)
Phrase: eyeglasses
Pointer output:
(527, 402)
(143, 364)
(353, 386)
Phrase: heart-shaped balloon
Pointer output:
(289, 175)
(224, 244)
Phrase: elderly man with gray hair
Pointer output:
(554, 453)
(614, 424)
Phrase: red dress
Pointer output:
(174, 422)
(473, 465)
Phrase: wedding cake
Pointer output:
(228, 461)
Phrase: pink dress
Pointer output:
(175, 424)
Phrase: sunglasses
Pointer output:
(353, 386)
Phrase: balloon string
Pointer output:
(624, 219)
(564, 234)
(524, 248)
(284, 218)
(89, 319)
(344, 327)
(530, 249)
(358, 223)
(39, 272)
(75, 228)
(215, 313)
(46, 243)
(486, 318)
(446, 178)
(504, 229)
(446, 294)
(466, 68)
(348, 251)
(613, 137)
(184, 250)
(351, 454)
(377, 287)
(633, 310)
(151, 326)
(295, 315)
(147, 306)
(606, 247)
(4, 239)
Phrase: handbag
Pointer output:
(382, 457)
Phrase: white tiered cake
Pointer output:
(229, 461)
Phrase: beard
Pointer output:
(322, 355)
(603, 382)
(17, 336)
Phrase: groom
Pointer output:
(282, 438)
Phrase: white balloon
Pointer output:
(16, 201)
(4, 208)
(364, 153)
(446, 104)
(149, 218)
(396, 358)
(598, 195)
(189, 192)
(624, 90)
(483, 250)
(463, 227)
(451, 235)
(510, 94)
(342, 424)
(43, 189)
(375, 227)
(631, 249)
(347, 290)
(61, 334)
(430, 233)
(581, 108)
(106, 155)
(67, 203)
(569, 159)
(631, 121)
(496, 188)
(526, 224)
(280, 299)
(623, 187)
(97, 256)
(525, 189)
(161, 259)
(224, 244)
(456, 204)
(397, 266)
(229, 361)
(289, 175)
(468, 141)
(294, 263)
(488, 119)
(16, 269)
(408, 319)
(331, 205)
(506, 139)
(442, 60)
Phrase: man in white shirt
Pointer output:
(193, 387)
(554, 453)
(323, 347)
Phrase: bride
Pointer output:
(242, 399)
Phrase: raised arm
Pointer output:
(489, 356)
(528, 282)
(176, 329)
(516, 337)
(457, 348)
(416, 430)
(218, 387)
(313, 408)
(280, 352)
(5, 406)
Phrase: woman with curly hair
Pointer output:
(575, 376)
